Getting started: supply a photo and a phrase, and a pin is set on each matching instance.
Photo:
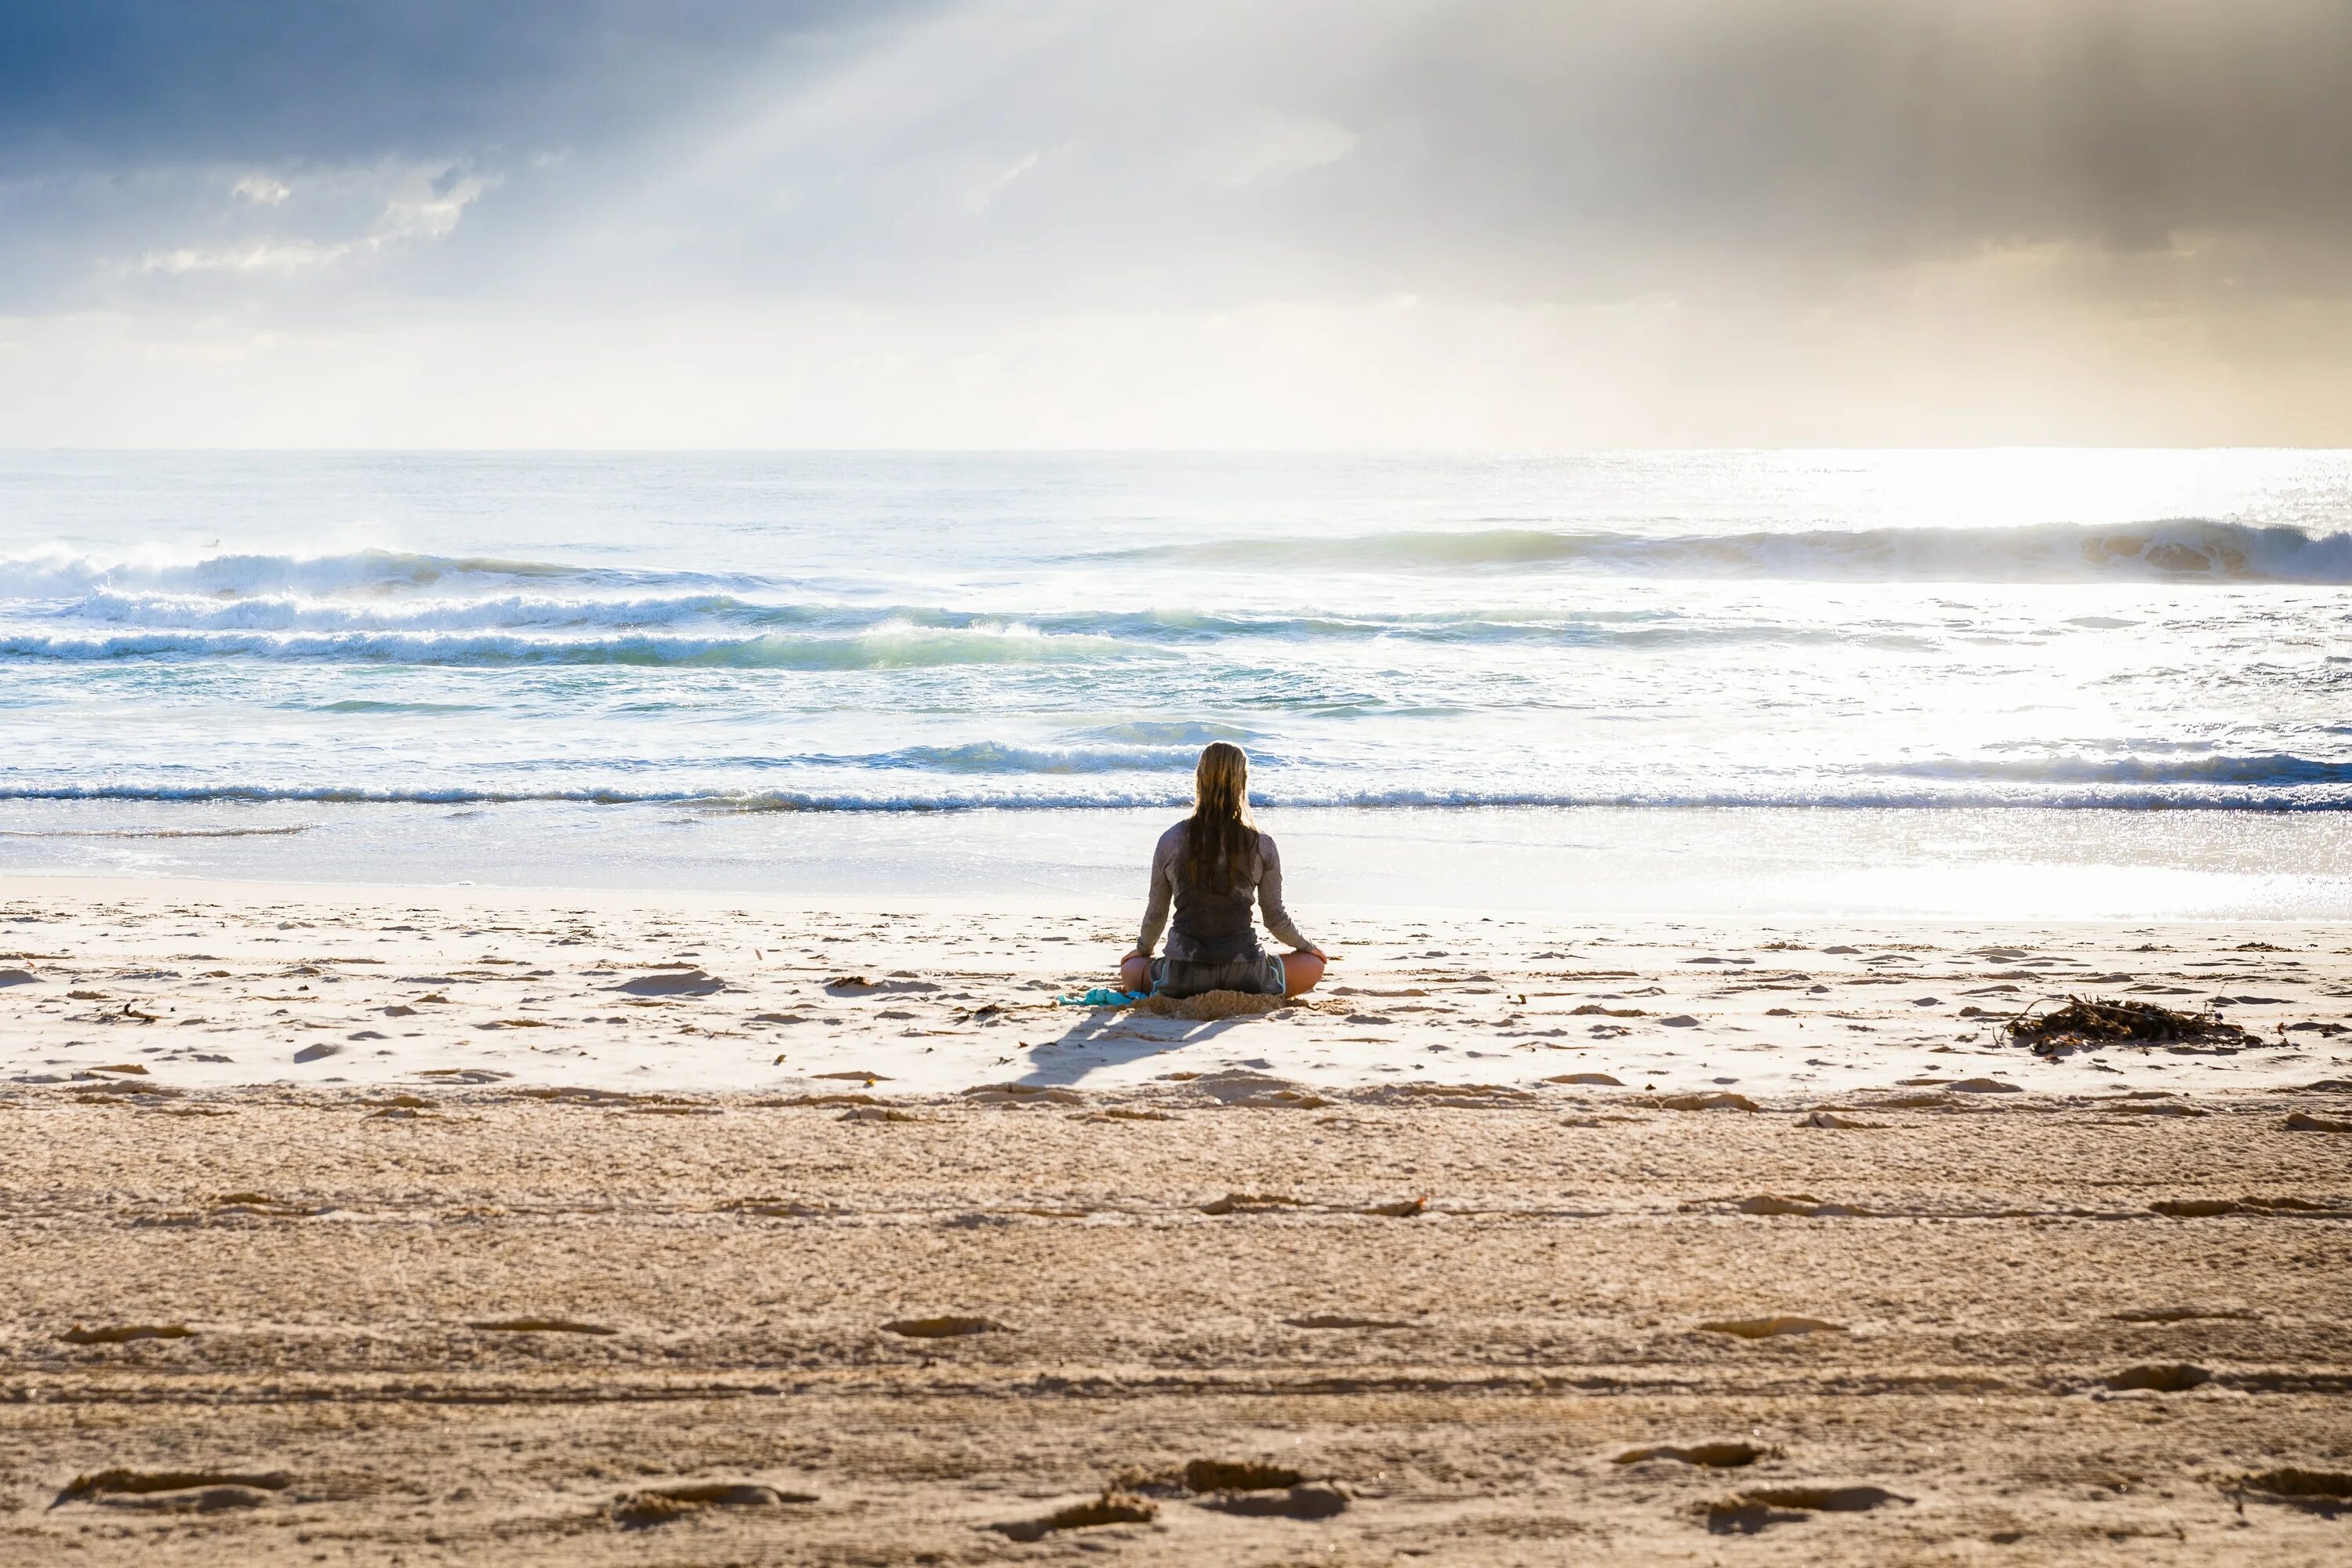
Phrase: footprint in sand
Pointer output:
(125, 1333)
(2161, 1377)
(1239, 1475)
(1314, 1499)
(943, 1328)
(172, 1491)
(1712, 1456)
(1754, 1510)
(673, 983)
(1248, 1202)
(861, 986)
(1717, 1100)
(662, 1505)
(1803, 1206)
(771, 1208)
(1022, 1094)
(1769, 1328)
(1110, 1507)
(1336, 1321)
(540, 1326)
(2327, 1492)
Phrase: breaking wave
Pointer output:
(374, 587)
(886, 647)
(1015, 778)
(360, 574)
(2184, 550)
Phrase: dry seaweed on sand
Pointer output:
(2086, 1022)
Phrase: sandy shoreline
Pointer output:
(208, 986)
(493, 1285)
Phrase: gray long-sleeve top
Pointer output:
(1164, 855)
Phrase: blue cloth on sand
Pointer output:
(1103, 996)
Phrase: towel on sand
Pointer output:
(1102, 996)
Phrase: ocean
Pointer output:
(2030, 681)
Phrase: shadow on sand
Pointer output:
(1103, 1037)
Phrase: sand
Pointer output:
(570, 1266)
(209, 986)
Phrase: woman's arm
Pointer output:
(1269, 896)
(1163, 893)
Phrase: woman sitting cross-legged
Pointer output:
(1214, 866)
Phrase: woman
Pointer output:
(1214, 866)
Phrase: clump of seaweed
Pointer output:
(2088, 1022)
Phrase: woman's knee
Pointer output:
(1135, 969)
(1300, 972)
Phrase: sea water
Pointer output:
(2029, 682)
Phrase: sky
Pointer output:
(1376, 224)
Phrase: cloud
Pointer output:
(102, 83)
(1272, 147)
(413, 205)
(1614, 219)
(261, 190)
(1529, 152)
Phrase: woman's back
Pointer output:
(1214, 923)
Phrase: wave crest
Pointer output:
(886, 647)
(61, 574)
(2179, 550)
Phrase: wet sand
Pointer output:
(644, 1294)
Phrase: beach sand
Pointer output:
(461, 1226)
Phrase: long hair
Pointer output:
(1220, 841)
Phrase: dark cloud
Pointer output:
(1540, 149)
(1514, 148)
(1865, 131)
(1717, 187)
(108, 82)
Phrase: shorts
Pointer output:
(1262, 975)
